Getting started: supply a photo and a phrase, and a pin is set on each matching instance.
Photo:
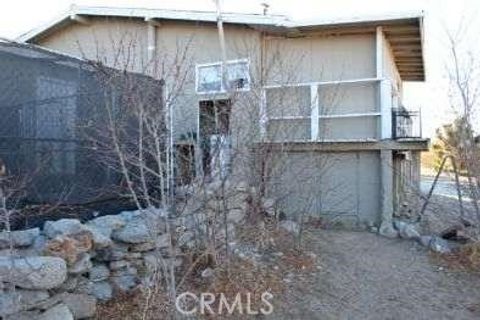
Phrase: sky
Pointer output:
(432, 96)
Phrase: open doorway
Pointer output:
(215, 137)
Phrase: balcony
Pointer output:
(406, 124)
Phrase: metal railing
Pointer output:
(406, 123)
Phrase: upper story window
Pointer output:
(209, 77)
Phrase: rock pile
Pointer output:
(61, 272)
(409, 231)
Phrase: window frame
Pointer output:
(223, 88)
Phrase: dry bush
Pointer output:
(466, 258)
(279, 258)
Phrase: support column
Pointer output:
(386, 194)
(385, 88)
(386, 108)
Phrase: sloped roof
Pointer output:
(32, 51)
(403, 31)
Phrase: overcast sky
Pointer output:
(19, 16)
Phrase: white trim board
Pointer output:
(350, 115)
(323, 83)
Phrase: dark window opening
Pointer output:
(215, 137)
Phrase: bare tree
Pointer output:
(464, 71)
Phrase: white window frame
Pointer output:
(222, 85)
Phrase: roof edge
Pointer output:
(144, 13)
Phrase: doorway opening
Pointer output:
(215, 138)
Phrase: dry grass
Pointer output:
(133, 306)
(466, 258)
(279, 257)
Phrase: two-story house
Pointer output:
(315, 107)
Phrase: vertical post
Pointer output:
(315, 112)
(386, 109)
(386, 194)
(386, 156)
(379, 53)
(385, 88)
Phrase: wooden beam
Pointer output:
(399, 47)
(299, 33)
(410, 64)
(391, 30)
(417, 54)
(419, 70)
(404, 39)
(342, 146)
(406, 59)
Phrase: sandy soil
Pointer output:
(364, 276)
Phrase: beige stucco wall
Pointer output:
(120, 43)
(390, 71)
(123, 43)
(321, 58)
(200, 44)
(333, 185)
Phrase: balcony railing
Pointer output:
(406, 124)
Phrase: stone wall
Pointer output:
(64, 269)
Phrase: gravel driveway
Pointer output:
(364, 276)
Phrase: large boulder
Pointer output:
(406, 230)
(100, 237)
(24, 315)
(124, 281)
(60, 227)
(19, 300)
(39, 273)
(71, 247)
(57, 312)
(154, 217)
(81, 305)
(99, 272)
(107, 224)
(21, 238)
(102, 228)
(440, 245)
(137, 230)
(116, 252)
(84, 285)
(82, 265)
(102, 290)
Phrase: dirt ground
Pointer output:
(360, 275)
